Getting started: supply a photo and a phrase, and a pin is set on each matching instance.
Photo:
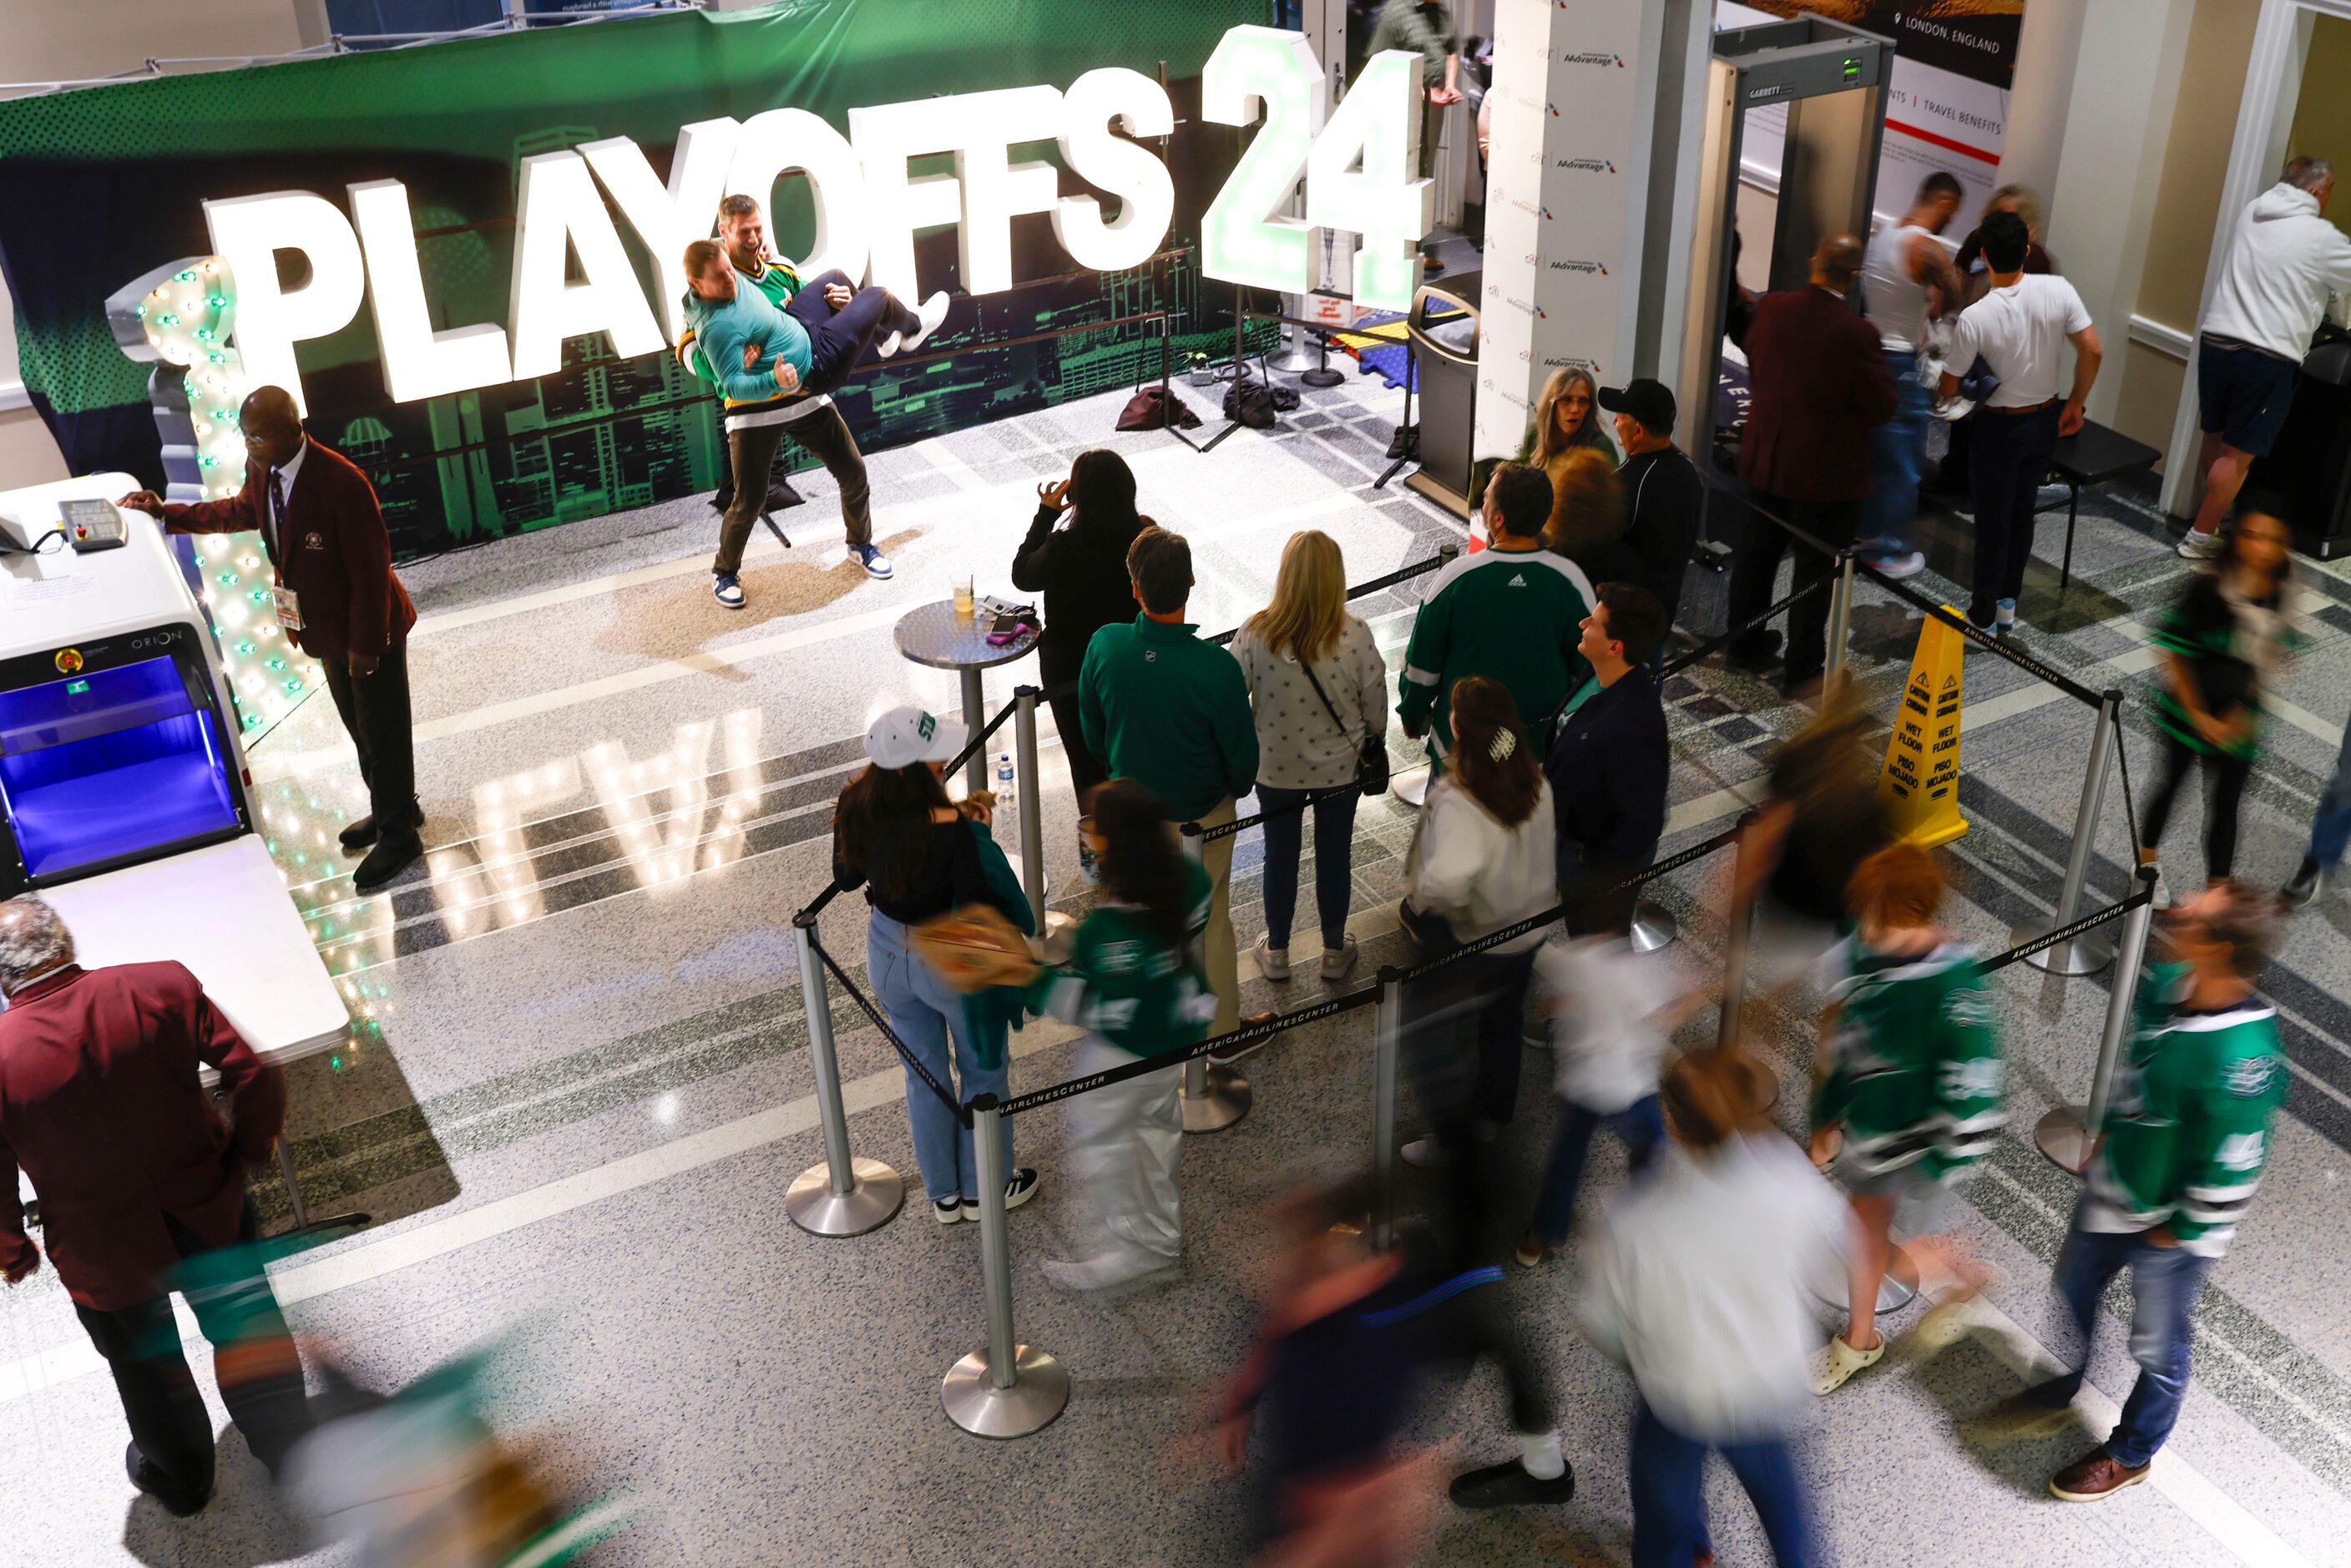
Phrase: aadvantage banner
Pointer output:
(102, 185)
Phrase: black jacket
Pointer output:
(1664, 497)
(1607, 774)
(1081, 571)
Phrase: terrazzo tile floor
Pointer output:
(578, 1088)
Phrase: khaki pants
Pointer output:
(1220, 959)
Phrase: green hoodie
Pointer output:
(722, 330)
(1170, 712)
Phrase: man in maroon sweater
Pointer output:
(141, 1185)
(1820, 385)
(339, 601)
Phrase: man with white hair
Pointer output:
(2286, 268)
(103, 1106)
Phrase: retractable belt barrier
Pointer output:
(1715, 644)
(873, 1015)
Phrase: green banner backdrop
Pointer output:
(101, 184)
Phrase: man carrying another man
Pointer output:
(776, 349)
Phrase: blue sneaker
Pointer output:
(727, 590)
(875, 563)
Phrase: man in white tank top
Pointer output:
(1904, 260)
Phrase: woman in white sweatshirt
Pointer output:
(1477, 864)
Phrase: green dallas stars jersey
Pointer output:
(1915, 1076)
(2187, 1132)
(1126, 985)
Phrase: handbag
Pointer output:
(1255, 401)
(1153, 407)
(1371, 753)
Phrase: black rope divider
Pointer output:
(1711, 644)
(977, 741)
(962, 1113)
(1313, 1012)
(1361, 590)
(2122, 760)
(2066, 932)
(1960, 623)
(1227, 830)
(832, 890)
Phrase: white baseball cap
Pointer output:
(905, 736)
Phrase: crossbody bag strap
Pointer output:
(1333, 712)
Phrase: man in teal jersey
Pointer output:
(2185, 1140)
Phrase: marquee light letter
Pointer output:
(1240, 239)
(668, 218)
(886, 138)
(418, 362)
(248, 233)
(1377, 123)
(557, 202)
(1146, 195)
(783, 139)
(994, 187)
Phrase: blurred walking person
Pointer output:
(2330, 831)
(1696, 1284)
(1075, 555)
(1318, 690)
(1911, 1098)
(2224, 645)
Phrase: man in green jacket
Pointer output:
(2185, 1140)
(1172, 713)
(1513, 614)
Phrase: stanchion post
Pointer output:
(2093, 949)
(1840, 619)
(2068, 1136)
(845, 1196)
(1007, 1390)
(1211, 1095)
(1033, 812)
(1734, 945)
(1388, 1046)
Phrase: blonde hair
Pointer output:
(1548, 443)
(1308, 613)
(2022, 198)
(1587, 505)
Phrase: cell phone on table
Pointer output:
(1005, 629)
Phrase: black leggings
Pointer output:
(2224, 788)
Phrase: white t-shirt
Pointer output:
(2021, 330)
(1603, 998)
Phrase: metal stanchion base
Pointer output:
(1226, 1100)
(1040, 1392)
(1411, 787)
(1894, 1291)
(2087, 954)
(1654, 926)
(1322, 376)
(2064, 1136)
(871, 1202)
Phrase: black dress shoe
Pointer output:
(1754, 660)
(1508, 1483)
(387, 860)
(364, 832)
(149, 1480)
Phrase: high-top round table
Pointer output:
(930, 634)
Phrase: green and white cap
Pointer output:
(905, 736)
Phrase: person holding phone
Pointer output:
(1075, 555)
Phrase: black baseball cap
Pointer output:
(1646, 401)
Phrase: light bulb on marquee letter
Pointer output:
(558, 200)
(781, 139)
(669, 218)
(1240, 239)
(248, 233)
(886, 137)
(996, 189)
(1147, 194)
(1377, 124)
(418, 362)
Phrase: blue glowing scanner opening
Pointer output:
(111, 767)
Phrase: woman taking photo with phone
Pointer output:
(1080, 567)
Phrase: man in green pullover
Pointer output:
(1513, 612)
(2185, 1140)
(1172, 713)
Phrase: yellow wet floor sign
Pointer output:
(1920, 784)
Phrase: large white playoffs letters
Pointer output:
(868, 211)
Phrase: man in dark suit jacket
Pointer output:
(1819, 386)
(339, 601)
(101, 1105)
(1608, 769)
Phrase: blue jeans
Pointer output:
(1897, 459)
(1640, 1125)
(1334, 859)
(1669, 1499)
(2330, 830)
(2164, 1285)
(925, 1013)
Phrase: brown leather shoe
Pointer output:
(2094, 1478)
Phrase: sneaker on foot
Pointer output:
(1898, 567)
(1106, 1270)
(875, 563)
(929, 313)
(1532, 1250)
(1021, 1187)
(1427, 1154)
(1836, 1360)
(1337, 961)
(2309, 883)
(1273, 962)
(2094, 1478)
(724, 588)
(389, 857)
(1225, 1056)
(2162, 900)
(949, 1210)
(2194, 546)
(1502, 1485)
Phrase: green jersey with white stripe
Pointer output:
(2188, 1127)
(1126, 984)
(1513, 616)
(1916, 1077)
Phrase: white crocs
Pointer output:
(1837, 1362)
